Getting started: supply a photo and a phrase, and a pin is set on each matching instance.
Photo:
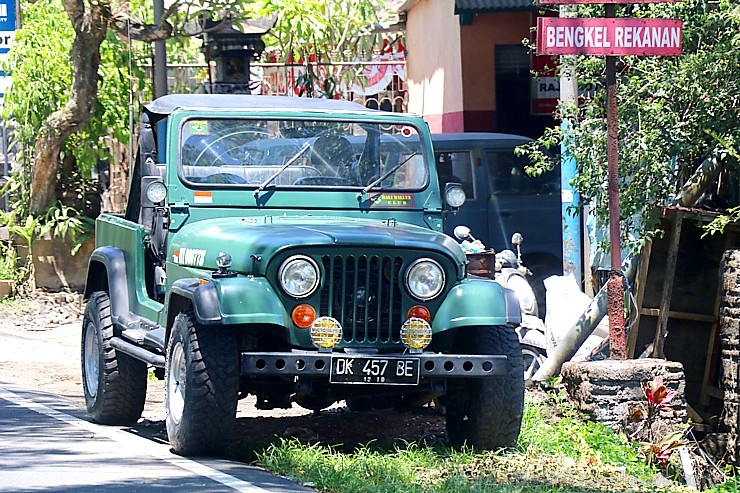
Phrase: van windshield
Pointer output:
(302, 154)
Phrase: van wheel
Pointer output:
(486, 413)
(114, 383)
(201, 386)
(534, 359)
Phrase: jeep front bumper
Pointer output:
(314, 364)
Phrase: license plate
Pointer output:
(374, 370)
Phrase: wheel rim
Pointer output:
(532, 362)
(92, 359)
(176, 383)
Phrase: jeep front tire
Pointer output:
(201, 386)
(486, 413)
(114, 383)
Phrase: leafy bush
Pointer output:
(42, 75)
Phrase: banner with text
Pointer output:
(615, 37)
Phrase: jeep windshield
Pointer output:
(301, 154)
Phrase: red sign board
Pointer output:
(620, 37)
(545, 82)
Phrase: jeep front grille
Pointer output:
(363, 292)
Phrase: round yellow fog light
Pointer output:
(326, 332)
(416, 333)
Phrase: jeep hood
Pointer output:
(199, 243)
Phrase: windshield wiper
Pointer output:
(384, 176)
(292, 160)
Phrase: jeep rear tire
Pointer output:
(201, 386)
(114, 383)
(486, 413)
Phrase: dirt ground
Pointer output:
(40, 350)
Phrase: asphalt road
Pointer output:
(46, 445)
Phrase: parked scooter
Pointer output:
(509, 271)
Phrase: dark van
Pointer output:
(502, 199)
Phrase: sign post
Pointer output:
(615, 288)
(612, 37)
(7, 36)
(8, 25)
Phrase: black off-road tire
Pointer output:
(486, 413)
(114, 383)
(201, 386)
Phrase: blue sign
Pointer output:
(7, 25)
(7, 15)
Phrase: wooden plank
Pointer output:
(670, 274)
(640, 283)
(696, 317)
(714, 392)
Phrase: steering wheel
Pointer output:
(225, 178)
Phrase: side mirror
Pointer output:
(462, 233)
(517, 239)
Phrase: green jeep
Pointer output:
(292, 249)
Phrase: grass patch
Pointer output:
(15, 306)
(556, 453)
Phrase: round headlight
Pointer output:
(455, 196)
(527, 300)
(299, 276)
(425, 279)
(156, 192)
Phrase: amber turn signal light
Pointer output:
(303, 316)
(419, 311)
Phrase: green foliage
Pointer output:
(330, 30)
(60, 221)
(732, 485)
(63, 222)
(674, 112)
(40, 84)
(42, 74)
(568, 434)
(17, 269)
(8, 262)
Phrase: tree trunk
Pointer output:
(700, 180)
(90, 23)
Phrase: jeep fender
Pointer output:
(477, 302)
(230, 301)
(107, 272)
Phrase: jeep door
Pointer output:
(520, 203)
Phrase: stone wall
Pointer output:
(55, 267)
(608, 391)
(729, 314)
